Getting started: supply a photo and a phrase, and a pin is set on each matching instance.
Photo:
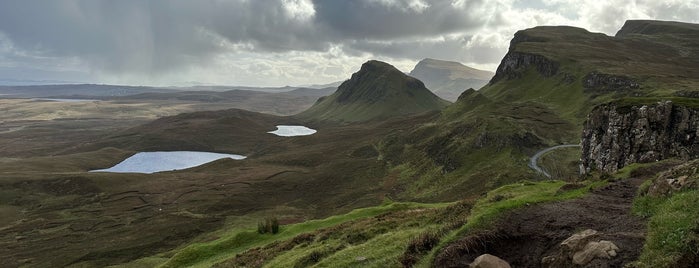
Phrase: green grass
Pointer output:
(625, 172)
(380, 251)
(507, 198)
(207, 254)
(672, 228)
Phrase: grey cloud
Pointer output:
(452, 48)
(160, 35)
(169, 37)
(378, 21)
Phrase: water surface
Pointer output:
(151, 162)
(292, 131)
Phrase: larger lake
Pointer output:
(151, 162)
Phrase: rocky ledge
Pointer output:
(514, 64)
(600, 81)
(618, 134)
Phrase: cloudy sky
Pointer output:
(279, 42)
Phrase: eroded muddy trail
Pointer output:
(524, 237)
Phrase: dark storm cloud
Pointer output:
(384, 20)
(154, 36)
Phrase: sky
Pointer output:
(279, 42)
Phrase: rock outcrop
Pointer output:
(619, 133)
(600, 81)
(514, 64)
(679, 178)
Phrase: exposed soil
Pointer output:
(525, 236)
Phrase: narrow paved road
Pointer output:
(533, 162)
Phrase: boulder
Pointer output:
(579, 240)
(602, 249)
(580, 249)
(489, 261)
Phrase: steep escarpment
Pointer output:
(378, 90)
(620, 133)
(514, 64)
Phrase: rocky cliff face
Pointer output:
(600, 81)
(616, 134)
(514, 64)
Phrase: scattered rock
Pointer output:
(489, 261)
(360, 259)
(580, 249)
(601, 249)
(683, 176)
(578, 240)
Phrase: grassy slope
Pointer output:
(475, 138)
(371, 237)
(672, 239)
(672, 228)
(236, 241)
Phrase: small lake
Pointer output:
(151, 162)
(292, 131)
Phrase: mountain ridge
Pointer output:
(377, 90)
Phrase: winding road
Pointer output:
(535, 159)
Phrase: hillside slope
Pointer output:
(447, 79)
(545, 86)
(377, 91)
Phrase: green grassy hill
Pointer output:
(542, 91)
(377, 91)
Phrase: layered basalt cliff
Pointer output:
(514, 64)
(618, 134)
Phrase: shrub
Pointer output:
(270, 225)
(418, 246)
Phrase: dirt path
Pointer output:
(534, 160)
(527, 235)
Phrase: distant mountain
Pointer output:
(319, 86)
(448, 79)
(377, 90)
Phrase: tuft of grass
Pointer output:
(270, 225)
(672, 228)
(237, 241)
(419, 246)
